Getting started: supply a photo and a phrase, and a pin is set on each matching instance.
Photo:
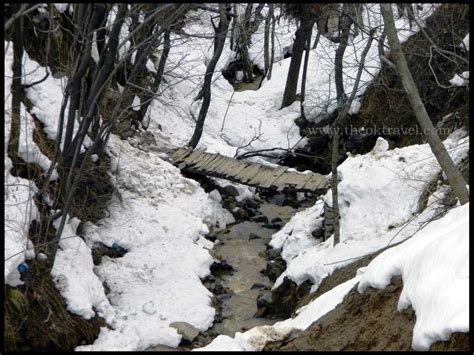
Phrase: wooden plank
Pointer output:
(208, 157)
(233, 167)
(249, 172)
(188, 161)
(215, 163)
(285, 179)
(241, 167)
(276, 174)
(195, 157)
(221, 169)
(209, 162)
(263, 177)
(180, 154)
(313, 183)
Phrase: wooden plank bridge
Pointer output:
(247, 173)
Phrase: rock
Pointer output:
(259, 219)
(254, 236)
(221, 268)
(273, 253)
(275, 268)
(278, 200)
(231, 191)
(188, 332)
(276, 219)
(257, 285)
(252, 211)
(211, 238)
(240, 214)
(264, 299)
(252, 203)
(318, 233)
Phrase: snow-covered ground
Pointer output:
(379, 195)
(161, 217)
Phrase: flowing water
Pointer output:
(243, 246)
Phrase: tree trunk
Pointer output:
(266, 44)
(148, 97)
(16, 84)
(220, 35)
(272, 50)
(346, 23)
(301, 35)
(339, 122)
(454, 177)
(243, 44)
(305, 71)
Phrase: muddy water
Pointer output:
(243, 246)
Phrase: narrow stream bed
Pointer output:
(241, 247)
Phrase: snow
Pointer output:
(27, 149)
(74, 277)
(460, 80)
(465, 41)
(20, 209)
(161, 222)
(378, 201)
(434, 265)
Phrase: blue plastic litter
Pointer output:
(23, 267)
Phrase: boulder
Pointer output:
(188, 332)
(231, 191)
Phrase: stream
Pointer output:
(242, 248)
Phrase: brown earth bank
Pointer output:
(365, 322)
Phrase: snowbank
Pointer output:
(434, 265)
(20, 209)
(378, 200)
(160, 221)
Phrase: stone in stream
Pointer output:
(252, 211)
(257, 285)
(264, 299)
(275, 268)
(254, 236)
(240, 214)
(251, 203)
(188, 332)
(259, 219)
(231, 191)
(276, 219)
(273, 253)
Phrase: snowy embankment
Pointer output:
(161, 221)
(379, 196)
(20, 209)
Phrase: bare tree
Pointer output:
(219, 41)
(301, 37)
(338, 123)
(346, 22)
(454, 177)
(16, 82)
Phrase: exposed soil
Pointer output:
(365, 322)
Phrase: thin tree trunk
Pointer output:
(316, 40)
(305, 71)
(16, 84)
(272, 50)
(243, 46)
(301, 35)
(148, 97)
(234, 24)
(220, 35)
(346, 27)
(454, 177)
(339, 122)
(266, 44)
